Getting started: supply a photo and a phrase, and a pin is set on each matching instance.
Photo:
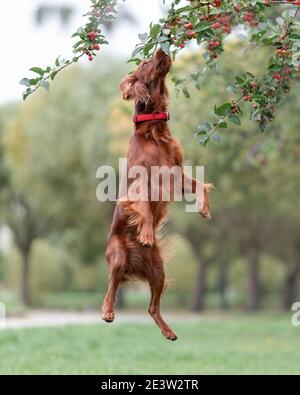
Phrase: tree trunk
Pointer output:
(24, 286)
(199, 297)
(223, 273)
(223, 281)
(254, 299)
(289, 287)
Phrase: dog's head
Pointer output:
(147, 84)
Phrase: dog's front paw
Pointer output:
(205, 213)
(108, 316)
(146, 238)
(204, 209)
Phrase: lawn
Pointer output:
(222, 345)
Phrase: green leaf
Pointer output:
(137, 50)
(143, 37)
(206, 126)
(223, 110)
(263, 125)
(275, 66)
(294, 36)
(38, 70)
(186, 92)
(180, 82)
(155, 30)
(137, 61)
(165, 46)
(195, 76)
(45, 85)
(239, 80)
(223, 125)
(25, 81)
(200, 132)
(235, 119)
(53, 75)
(231, 89)
(34, 81)
(204, 141)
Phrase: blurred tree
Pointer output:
(52, 157)
(244, 167)
(47, 11)
(20, 209)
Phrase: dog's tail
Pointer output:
(167, 247)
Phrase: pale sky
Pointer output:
(24, 44)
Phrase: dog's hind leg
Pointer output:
(116, 259)
(157, 286)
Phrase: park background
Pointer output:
(234, 279)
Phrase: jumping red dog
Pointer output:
(133, 250)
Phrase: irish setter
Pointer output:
(133, 250)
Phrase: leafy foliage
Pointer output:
(89, 40)
(208, 23)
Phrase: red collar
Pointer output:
(159, 116)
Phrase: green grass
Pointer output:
(222, 345)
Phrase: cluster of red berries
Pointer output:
(277, 77)
(284, 75)
(92, 36)
(217, 3)
(213, 44)
(250, 18)
(234, 108)
(189, 32)
(249, 92)
(223, 22)
(220, 23)
(283, 52)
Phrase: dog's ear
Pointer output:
(126, 87)
(133, 89)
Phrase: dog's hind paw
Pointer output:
(170, 336)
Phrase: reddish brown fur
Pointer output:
(135, 222)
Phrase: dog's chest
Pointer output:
(154, 152)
